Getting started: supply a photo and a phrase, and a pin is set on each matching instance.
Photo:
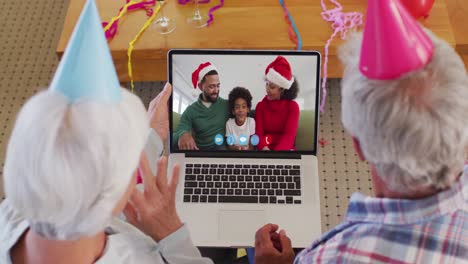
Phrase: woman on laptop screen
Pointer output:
(277, 115)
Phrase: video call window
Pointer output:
(282, 123)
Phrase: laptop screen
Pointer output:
(244, 101)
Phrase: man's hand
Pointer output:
(158, 112)
(271, 247)
(154, 211)
(186, 142)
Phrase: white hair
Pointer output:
(413, 129)
(68, 164)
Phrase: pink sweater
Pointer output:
(278, 119)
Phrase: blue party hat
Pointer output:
(86, 70)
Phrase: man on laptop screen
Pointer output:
(206, 117)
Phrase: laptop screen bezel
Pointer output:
(253, 153)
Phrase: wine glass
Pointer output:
(163, 24)
(197, 19)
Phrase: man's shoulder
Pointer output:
(222, 100)
(338, 240)
(191, 108)
(363, 242)
(193, 105)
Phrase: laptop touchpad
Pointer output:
(240, 225)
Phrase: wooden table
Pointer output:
(240, 24)
(458, 13)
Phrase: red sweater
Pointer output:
(279, 119)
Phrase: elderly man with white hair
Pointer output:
(71, 168)
(405, 103)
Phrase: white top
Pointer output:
(125, 243)
(247, 129)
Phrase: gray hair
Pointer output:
(67, 165)
(413, 129)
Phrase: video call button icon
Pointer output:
(243, 140)
(254, 140)
(219, 139)
(230, 140)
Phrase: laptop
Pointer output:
(225, 194)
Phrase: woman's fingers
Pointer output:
(166, 92)
(131, 214)
(147, 175)
(161, 177)
(137, 200)
(174, 181)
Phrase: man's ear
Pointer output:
(200, 86)
(357, 148)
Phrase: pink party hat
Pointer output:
(394, 43)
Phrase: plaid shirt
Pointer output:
(382, 230)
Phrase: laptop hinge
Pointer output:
(256, 155)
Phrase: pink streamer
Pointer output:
(212, 10)
(110, 33)
(341, 23)
(183, 2)
(323, 142)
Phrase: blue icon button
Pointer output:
(243, 140)
(230, 140)
(219, 139)
(254, 140)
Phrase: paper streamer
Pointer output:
(137, 37)
(323, 142)
(341, 23)
(210, 12)
(292, 31)
(183, 2)
(110, 29)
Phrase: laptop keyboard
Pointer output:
(240, 183)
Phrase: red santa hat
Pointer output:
(200, 72)
(279, 72)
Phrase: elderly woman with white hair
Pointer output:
(407, 118)
(71, 167)
(67, 178)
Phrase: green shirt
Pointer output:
(204, 122)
